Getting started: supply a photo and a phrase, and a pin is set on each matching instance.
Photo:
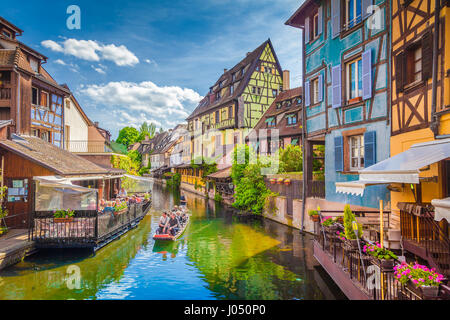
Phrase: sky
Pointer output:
(136, 61)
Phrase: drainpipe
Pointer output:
(18, 128)
(303, 132)
(434, 118)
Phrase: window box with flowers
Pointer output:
(330, 225)
(419, 279)
(63, 216)
(383, 258)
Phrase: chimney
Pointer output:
(225, 70)
(248, 53)
(96, 124)
(286, 80)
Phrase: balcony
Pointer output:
(5, 93)
(88, 146)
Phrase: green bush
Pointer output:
(218, 197)
(349, 217)
(291, 159)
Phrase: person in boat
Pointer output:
(182, 199)
(163, 222)
(123, 193)
(173, 225)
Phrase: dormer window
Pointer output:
(299, 100)
(218, 95)
(7, 34)
(279, 105)
(34, 64)
(288, 103)
(231, 89)
(233, 77)
(271, 122)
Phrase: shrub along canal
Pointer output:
(220, 256)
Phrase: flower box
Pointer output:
(280, 180)
(426, 291)
(287, 182)
(62, 220)
(116, 213)
(355, 100)
(386, 265)
(331, 229)
(273, 181)
(351, 245)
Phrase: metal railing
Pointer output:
(419, 228)
(86, 228)
(5, 93)
(375, 282)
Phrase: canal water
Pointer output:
(220, 256)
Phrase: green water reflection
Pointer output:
(219, 257)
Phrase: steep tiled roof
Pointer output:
(240, 82)
(283, 98)
(47, 155)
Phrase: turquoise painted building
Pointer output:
(346, 93)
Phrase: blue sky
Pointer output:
(138, 61)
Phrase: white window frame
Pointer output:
(349, 80)
(315, 25)
(359, 139)
(315, 90)
(355, 19)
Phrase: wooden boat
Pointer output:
(168, 237)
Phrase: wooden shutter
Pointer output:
(399, 71)
(339, 153)
(427, 55)
(307, 93)
(307, 31)
(367, 74)
(365, 6)
(336, 86)
(320, 87)
(370, 149)
(320, 20)
(335, 18)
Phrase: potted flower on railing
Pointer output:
(280, 180)
(314, 215)
(350, 239)
(419, 278)
(287, 182)
(330, 225)
(120, 208)
(273, 181)
(62, 216)
(381, 257)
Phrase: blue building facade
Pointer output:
(346, 93)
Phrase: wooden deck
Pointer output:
(14, 246)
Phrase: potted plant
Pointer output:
(62, 216)
(314, 215)
(350, 240)
(329, 224)
(287, 182)
(381, 257)
(273, 181)
(120, 208)
(419, 277)
(280, 180)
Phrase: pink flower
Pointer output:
(415, 281)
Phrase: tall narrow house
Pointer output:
(29, 96)
(346, 89)
(236, 102)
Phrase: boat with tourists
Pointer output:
(182, 216)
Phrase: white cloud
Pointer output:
(59, 61)
(130, 104)
(92, 50)
(100, 68)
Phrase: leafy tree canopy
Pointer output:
(128, 136)
(146, 130)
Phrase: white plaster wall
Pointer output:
(78, 127)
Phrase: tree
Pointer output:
(128, 136)
(146, 130)
(291, 159)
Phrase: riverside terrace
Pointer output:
(359, 275)
(86, 226)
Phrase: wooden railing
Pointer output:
(316, 189)
(424, 235)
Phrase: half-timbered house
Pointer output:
(236, 102)
(346, 89)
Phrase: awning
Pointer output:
(61, 183)
(401, 168)
(441, 209)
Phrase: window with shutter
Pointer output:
(339, 153)
(427, 52)
(307, 93)
(367, 74)
(335, 18)
(370, 149)
(336, 86)
(307, 30)
(399, 71)
(320, 20)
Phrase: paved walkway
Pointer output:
(14, 246)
